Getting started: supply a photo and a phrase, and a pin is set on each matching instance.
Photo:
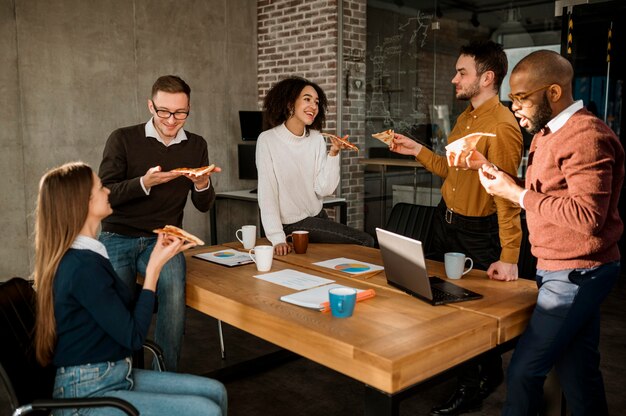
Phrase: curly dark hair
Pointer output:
(281, 99)
(489, 56)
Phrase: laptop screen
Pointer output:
(405, 265)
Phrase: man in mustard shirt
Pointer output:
(469, 220)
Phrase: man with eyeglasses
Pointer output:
(468, 220)
(571, 195)
(145, 195)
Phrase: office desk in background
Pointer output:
(381, 165)
(252, 197)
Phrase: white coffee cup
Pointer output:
(455, 265)
(262, 256)
(248, 236)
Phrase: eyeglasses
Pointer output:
(178, 115)
(522, 99)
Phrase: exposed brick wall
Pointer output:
(353, 99)
(298, 38)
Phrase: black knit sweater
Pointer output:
(128, 154)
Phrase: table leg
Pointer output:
(343, 213)
(379, 403)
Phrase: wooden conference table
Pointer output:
(392, 343)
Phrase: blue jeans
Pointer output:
(323, 230)
(564, 332)
(129, 256)
(151, 392)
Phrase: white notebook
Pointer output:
(312, 298)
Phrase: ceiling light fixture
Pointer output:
(511, 33)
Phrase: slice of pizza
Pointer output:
(179, 233)
(343, 140)
(195, 171)
(385, 136)
(466, 143)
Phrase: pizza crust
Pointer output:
(179, 233)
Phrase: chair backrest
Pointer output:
(27, 380)
(413, 221)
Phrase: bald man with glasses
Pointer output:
(145, 195)
(571, 195)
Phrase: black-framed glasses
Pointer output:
(178, 115)
(522, 99)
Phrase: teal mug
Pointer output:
(342, 301)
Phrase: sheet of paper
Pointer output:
(349, 265)
(294, 279)
(228, 257)
(312, 298)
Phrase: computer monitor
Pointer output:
(251, 123)
(247, 161)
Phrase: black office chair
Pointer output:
(28, 384)
(414, 221)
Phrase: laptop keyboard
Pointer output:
(441, 296)
(444, 291)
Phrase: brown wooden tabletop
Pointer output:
(392, 341)
(511, 303)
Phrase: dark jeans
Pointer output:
(564, 332)
(478, 238)
(322, 230)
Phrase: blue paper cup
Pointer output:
(342, 301)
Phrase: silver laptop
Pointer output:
(405, 268)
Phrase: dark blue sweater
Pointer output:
(96, 318)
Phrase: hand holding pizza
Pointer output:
(154, 177)
(199, 176)
(339, 143)
(166, 247)
(405, 146)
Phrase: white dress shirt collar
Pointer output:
(83, 242)
(560, 120)
(151, 131)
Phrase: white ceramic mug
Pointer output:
(262, 256)
(455, 265)
(248, 236)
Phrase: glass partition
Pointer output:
(412, 48)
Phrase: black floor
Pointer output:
(302, 387)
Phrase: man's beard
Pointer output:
(471, 92)
(542, 116)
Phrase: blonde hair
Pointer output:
(62, 208)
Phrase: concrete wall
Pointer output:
(71, 71)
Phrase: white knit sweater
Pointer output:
(295, 174)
